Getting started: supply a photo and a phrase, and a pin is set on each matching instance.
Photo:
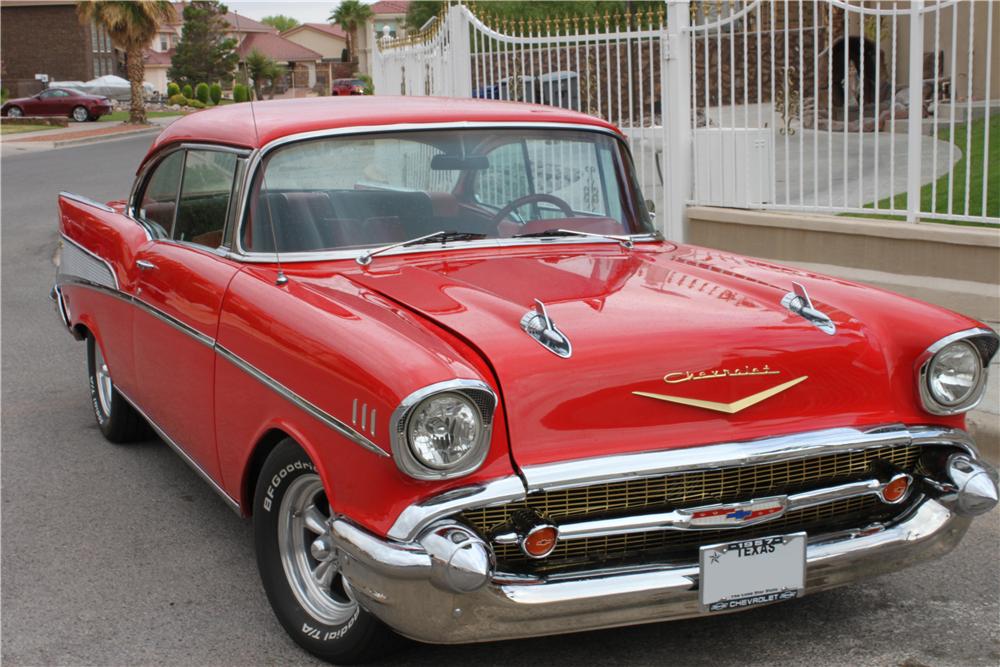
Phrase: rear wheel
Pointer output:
(118, 420)
(15, 112)
(299, 567)
(80, 114)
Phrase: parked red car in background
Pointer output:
(59, 102)
(347, 87)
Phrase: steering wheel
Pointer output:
(566, 209)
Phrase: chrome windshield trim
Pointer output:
(232, 502)
(243, 255)
(86, 200)
(298, 401)
(601, 470)
(418, 516)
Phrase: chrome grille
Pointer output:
(695, 488)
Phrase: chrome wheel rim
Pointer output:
(79, 114)
(14, 112)
(307, 554)
(104, 384)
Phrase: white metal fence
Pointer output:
(875, 107)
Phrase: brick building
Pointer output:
(48, 38)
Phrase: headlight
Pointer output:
(953, 371)
(443, 430)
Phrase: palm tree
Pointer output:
(350, 14)
(132, 25)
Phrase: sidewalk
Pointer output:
(79, 133)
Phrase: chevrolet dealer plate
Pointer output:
(737, 575)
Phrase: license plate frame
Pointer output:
(752, 572)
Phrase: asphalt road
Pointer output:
(121, 555)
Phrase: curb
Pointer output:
(104, 137)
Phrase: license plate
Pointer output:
(747, 573)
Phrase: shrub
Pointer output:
(240, 93)
(186, 90)
(369, 85)
(215, 92)
(196, 104)
(173, 89)
(201, 93)
(178, 99)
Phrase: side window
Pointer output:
(506, 178)
(159, 199)
(204, 202)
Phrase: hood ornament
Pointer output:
(537, 324)
(798, 302)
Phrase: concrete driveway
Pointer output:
(121, 555)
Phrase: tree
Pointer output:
(280, 22)
(204, 52)
(350, 14)
(261, 69)
(131, 26)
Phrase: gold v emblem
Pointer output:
(728, 408)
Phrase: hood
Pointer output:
(701, 335)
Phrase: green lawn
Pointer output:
(939, 204)
(123, 115)
(18, 129)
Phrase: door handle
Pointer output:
(145, 264)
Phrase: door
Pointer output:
(181, 280)
(55, 102)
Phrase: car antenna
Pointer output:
(282, 278)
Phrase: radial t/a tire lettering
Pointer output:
(299, 568)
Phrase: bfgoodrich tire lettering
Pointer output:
(118, 421)
(298, 566)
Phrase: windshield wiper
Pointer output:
(625, 241)
(442, 236)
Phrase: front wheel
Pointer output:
(118, 420)
(80, 114)
(299, 568)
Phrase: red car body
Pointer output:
(227, 354)
(59, 102)
(347, 87)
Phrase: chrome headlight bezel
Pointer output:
(984, 342)
(478, 393)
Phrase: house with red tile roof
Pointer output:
(388, 17)
(326, 39)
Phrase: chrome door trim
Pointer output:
(170, 320)
(300, 402)
(232, 502)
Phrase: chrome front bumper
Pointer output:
(414, 587)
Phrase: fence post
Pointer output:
(675, 101)
(459, 79)
(915, 113)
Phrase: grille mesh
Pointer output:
(692, 489)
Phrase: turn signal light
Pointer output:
(540, 541)
(896, 489)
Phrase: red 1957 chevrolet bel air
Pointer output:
(440, 355)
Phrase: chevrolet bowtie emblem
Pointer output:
(728, 408)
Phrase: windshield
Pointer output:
(361, 191)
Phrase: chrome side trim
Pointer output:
(985, 341)
(682, 519)
(599, 470)
(80, 262)
(418, 516)
(80, 199)
(477, 391)
(232, 502)
(292, 397)
(170, 320)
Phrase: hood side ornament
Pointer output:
(537, 324)
(798, 302)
